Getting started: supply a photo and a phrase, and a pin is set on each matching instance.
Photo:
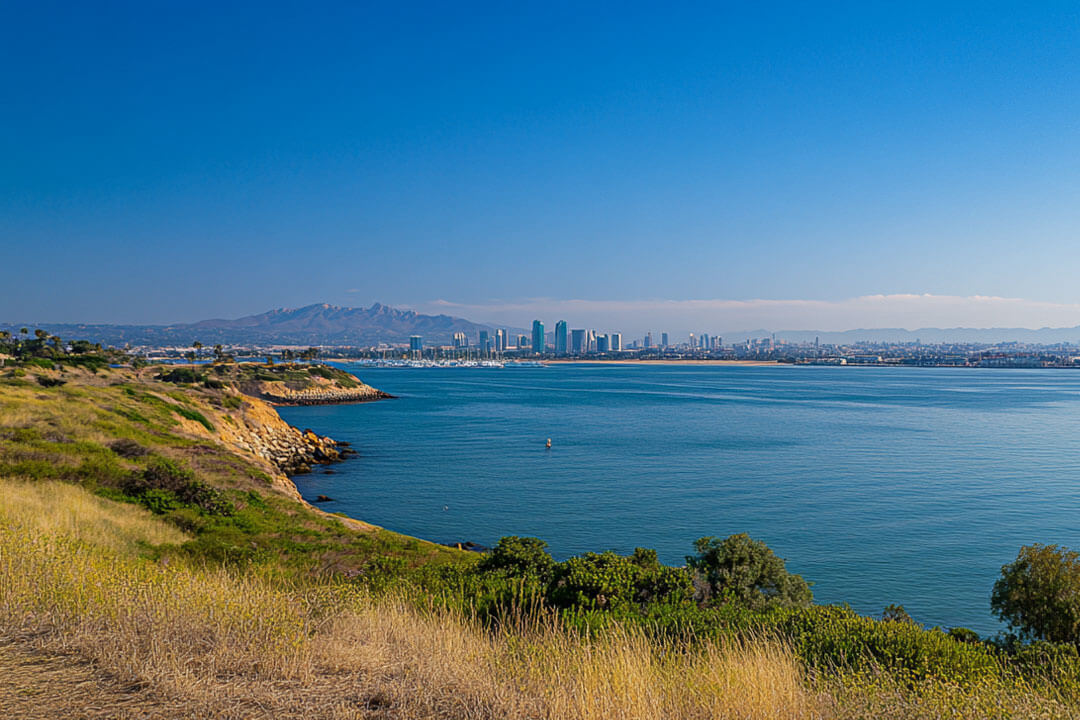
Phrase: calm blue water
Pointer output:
(879, 485)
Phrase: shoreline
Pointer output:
(740, 363)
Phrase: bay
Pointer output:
(879, 485)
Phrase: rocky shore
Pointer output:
(279, 395)
(292, 451)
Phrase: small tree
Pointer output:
(520, 556)
(896, 613)
(1038, 594)
(746, 570)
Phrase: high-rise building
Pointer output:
(461, 340)
(538, 337)
(663, 340)
(485, 342)
(648, 340)
(615, 342)
(560, 338)
(601, 343)
(704, 341)
(522, 342)
(500, 340)
(579, 342)
(591, 341)
(693, 342)
(416, 344)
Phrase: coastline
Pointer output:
(741, 363)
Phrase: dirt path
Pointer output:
(39, 686)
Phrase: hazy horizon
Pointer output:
(635, 319)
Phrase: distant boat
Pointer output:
(525, 364)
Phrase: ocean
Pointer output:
(878, 485)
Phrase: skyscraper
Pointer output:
(416, 344)
(663, 340)
(560, 338)
(648, 340)
(615, 342)
(601, 343)
(579, 342)
(538, 337)
(500, 340)
(485, 342)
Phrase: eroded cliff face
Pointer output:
(238, 399)
(242, 417)
(259, 430)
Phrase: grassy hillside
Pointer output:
(138, 536)
(125, 435)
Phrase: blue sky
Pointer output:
(765, 165)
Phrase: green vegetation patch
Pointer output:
(194, 415)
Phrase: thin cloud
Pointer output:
(900, 310)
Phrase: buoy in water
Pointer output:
(548, 446)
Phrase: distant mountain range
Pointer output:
(323, 324)
(319, 324)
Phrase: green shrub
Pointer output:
(522, 556)
(964, 634)
(748, 570)
(608, 580)
(40, 362)
(166, 476)
(182, 375)
(158, 502)
(194, 415)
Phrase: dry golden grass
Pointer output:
(72, 511)
(174, 640)
(224, 644)
(436, 665)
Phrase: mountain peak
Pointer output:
(326, 324)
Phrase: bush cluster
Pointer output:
(163, 486)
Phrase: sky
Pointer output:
(705, 166)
